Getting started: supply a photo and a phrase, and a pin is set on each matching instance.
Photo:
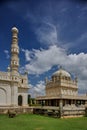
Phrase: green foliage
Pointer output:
(37, 122)
(31, 101)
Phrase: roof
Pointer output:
(14, 29)
(62, 73)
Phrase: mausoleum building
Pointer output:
(62, 94)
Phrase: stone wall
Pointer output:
(18, 110)
(56, 112)
(47, 112)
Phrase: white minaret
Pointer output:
(14, 65)
(14, 52)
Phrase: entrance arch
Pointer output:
(20, 100)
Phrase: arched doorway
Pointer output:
(20, 100)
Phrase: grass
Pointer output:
(37, 122)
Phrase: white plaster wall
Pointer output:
(3, 100)
(24, 98)
(14, 95)
(5, 95)
(8, 91)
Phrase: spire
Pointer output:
(14, 51)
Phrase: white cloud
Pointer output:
(46, 29)
(27, 55)
(43, 61)
(7, 54)
(38, 89)
(47, 34)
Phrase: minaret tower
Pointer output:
(14, 66)
(14, 52)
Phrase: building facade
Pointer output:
(13, 85)
(62, 94)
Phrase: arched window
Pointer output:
(22, 81)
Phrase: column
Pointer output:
(61, 107)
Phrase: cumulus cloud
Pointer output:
(43, 61)
(47, 34)
(38, 89)
(45, 23)
(27, 55)
(7, 54)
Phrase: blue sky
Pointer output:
(51, 33)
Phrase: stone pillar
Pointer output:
(61, 107)
(75, 102)
(86, 103)
(56, 103)
(47, 104)
(14, 96)
(50, 102)
(72, 102)
(25, 99)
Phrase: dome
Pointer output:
(8, 68)
(62, 73)
(14, 29)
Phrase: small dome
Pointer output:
(14, 29)
(8, 68)
(62, 73)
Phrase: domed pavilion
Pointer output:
(62, 93)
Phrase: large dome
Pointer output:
(62, 73)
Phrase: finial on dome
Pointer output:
(14, 29)
(8, 68)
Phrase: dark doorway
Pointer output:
(20, 100)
